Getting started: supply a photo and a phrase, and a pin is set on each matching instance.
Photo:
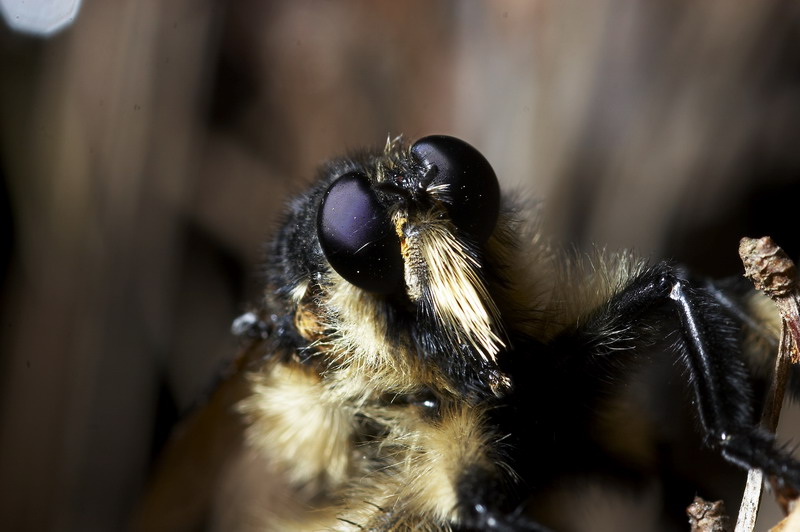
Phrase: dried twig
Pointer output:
(775, 274)
(707, 516)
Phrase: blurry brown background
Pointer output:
(146, 150)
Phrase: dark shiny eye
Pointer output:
(357, 237)
(473, 189)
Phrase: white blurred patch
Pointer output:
(39, 17)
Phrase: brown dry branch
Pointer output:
(772, 272)
(707, 516)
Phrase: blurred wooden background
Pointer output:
(145, 153)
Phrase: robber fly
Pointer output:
(423, 359)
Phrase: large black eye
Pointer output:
(473, 189)
(357, 237)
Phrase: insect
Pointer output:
(424, 359)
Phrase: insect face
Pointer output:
(407, 228)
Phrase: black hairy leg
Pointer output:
(708, 349)
(659, 318)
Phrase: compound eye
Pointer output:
(357, 237)
(473, 191)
